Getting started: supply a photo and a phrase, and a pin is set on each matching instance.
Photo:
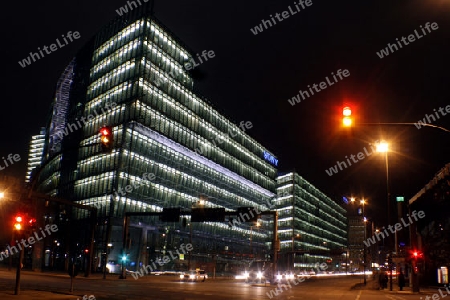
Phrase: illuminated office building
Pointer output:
(131, 76)
(312, 228)
(35, 153)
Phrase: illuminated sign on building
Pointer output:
(269, 157)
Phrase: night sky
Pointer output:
(252, 77)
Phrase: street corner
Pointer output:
(35, 295)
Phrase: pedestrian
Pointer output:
(381, 280)
(401, 280)
(385, 281)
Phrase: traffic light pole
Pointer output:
(413, 243)
(19, 268)
(274, 241)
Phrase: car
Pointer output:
(194, 275)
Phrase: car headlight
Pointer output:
(246, 275)
(181, 276)
(259, 275)
(192, 276)
(279, 277)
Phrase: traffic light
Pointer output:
(347, 120)
(106, 138)
(417, 254)
(170, 215)
(18, 223)
(208, 215)
(32, 223)
(247, 214)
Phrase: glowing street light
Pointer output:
(347, 117)
(2, 195)
(382, 146)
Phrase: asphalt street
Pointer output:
(54, 286)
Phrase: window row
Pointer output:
(191, 140)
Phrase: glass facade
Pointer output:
(131, 77)
(35, 153)
(355, 243)
(311, 227)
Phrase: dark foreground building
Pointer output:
(430, 236)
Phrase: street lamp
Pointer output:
(363, 202)
(251, 236)
(2, 195)
(383, 147)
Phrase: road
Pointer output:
(170, 288)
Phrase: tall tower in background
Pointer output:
(35, 153)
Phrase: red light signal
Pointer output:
(417, 254)
(32, 223)
(18, 225)
(347, 119)
(106, 138)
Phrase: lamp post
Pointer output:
(383, 147)
(363, 202)
(251, 236)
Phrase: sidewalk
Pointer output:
(373, 285)
(36, 295)
(7, 284)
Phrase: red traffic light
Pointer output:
(18, 222)
(347, 116)
(417, 254)
(106, 138)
